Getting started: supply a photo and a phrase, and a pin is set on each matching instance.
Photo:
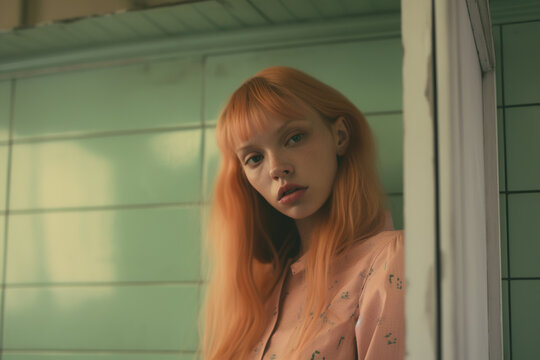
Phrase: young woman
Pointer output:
(305, 261)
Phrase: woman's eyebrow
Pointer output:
(278, 132)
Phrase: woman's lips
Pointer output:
(287, 188)
(292, 197)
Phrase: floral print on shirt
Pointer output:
(364, 319)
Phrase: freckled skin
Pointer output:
(307, 160)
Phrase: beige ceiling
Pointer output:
(29, 13)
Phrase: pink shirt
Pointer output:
(364, 320)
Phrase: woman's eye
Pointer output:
(255, 158)
(296, 138)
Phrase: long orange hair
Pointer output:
(249, 242)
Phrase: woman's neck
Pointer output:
(305, 228)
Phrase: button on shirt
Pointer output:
(364, 319)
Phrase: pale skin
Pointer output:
(300, 151)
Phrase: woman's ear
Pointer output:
(341, 134)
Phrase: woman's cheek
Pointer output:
(255, 183)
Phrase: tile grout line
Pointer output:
(534, 278)
(79, 284)
(121, 207)
(508, 296)
(520, 192)
(367, 115)
(140, 206)
(202, 195)
(521, 105)
(103, 134)
(517, 22)
(6, 218)
(100, 352)
(143, 131)
(389, 35)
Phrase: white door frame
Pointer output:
(451, 200)
(419, 181)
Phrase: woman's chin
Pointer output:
(297, 212)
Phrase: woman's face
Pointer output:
(301, 152)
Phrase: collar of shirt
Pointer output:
(299, 265)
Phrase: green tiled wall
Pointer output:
(101, 317)
(518, 98)
(105, 246)
(162, 167)
(356, 69)
(110, 180)
(103, 229)
(141, 96)
(525, 318)
(522, 129)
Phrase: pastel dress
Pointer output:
(365, 317)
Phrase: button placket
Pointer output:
(260, 349)
(276, 311)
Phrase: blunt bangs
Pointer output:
(251, 107)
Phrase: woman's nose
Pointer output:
(280, 169)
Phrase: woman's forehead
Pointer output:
(270, 127)
(258, 122)
(256, 129)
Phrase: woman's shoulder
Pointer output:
(390, 247)
(389, 240)
(364, 252)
